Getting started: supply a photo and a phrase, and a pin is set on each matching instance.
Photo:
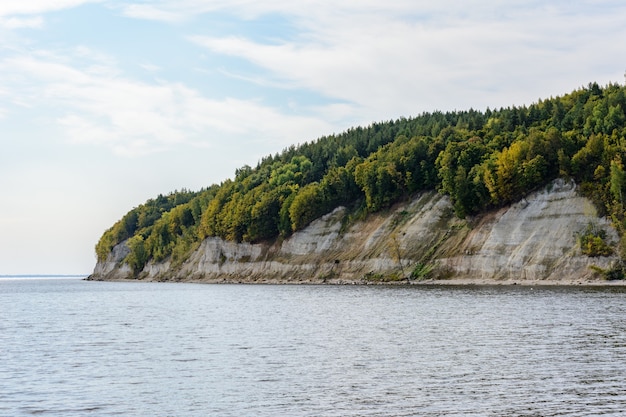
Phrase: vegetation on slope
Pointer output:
(480, 159)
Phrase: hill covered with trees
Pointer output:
(480, 159)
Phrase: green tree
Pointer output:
(307, 206)
(618, 180)
(265, 215)
(138, 255)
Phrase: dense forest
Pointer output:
(481, 160)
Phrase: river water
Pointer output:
(72, 348)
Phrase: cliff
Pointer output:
(532, 241)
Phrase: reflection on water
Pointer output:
(71, 347)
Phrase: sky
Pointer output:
(107, 103)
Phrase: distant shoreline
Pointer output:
(44, 276)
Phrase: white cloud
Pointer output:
(98, 106)
(249, 9)
(150, 12)
(23, 7)
(416, 56)
(19, 22)
(372, 60)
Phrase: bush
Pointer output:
(421, 271)
(592, 242)
(616, 273)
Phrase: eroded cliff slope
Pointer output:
(534, 240)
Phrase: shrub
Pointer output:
(592, 242)
(421, 271)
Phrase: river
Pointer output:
(70, 347)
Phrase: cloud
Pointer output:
(317, 11)
(250, 9)
(18, 23)
(101, 107)
(150, 12)
(416, 56)
(29, 14)
(29, 7)
(368, 60)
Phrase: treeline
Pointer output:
(480, 159)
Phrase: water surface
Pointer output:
(74, 348)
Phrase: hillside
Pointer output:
(476, 164)
(533, 241)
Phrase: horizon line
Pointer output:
(41, 275)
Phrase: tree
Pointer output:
(265, 215)
(307, 206)
(381, 183)
(138, 255)
(618, 180)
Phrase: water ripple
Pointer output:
(74, 348)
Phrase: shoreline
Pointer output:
(453, 282)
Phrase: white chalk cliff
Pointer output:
(533, 240)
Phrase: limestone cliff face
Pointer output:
(113, 267)
(532, 240)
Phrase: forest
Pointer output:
(481, 159)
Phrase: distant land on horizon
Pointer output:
(42, 275)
